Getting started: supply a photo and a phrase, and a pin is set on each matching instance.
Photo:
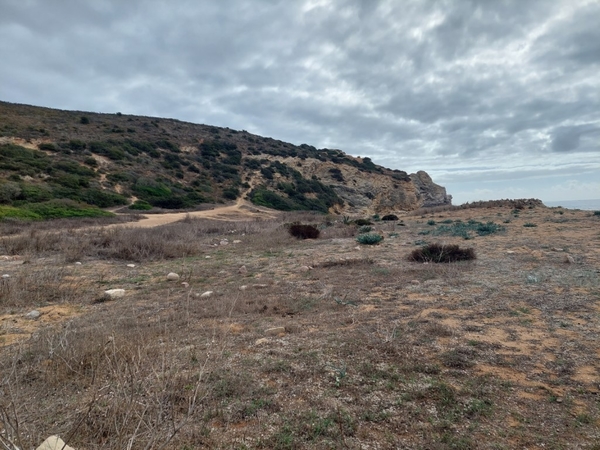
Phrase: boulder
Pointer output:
(112, 294)
(172, 276)
(54, 443)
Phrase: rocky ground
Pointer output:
(265, 341)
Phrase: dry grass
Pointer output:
(378, 352)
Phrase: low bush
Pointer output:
(596, 213)
(438, 253)
(369, 239)
(140, 205)
(365, 229)
(363, 222)
(529, 225)
(390, 217)
(303, 231)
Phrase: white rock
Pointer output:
(206, 294)
(243, 270)
(54, 443)
(35, 314)
(243, 287)
(275, 331)
(6, 275)
(224, 242)
(556, 249)
(131, 265)
(172, 276)
(114, 293)
(78, 263)
(185, 284)
(261, 341)
(207, 257)
(237, 241)
(304, 268)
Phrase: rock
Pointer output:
(206, 294)
(243, 287)
(185, 284)
(224, 242)
(261, 341)
(556, 249)
(237, 241)
(243, 270)
(415, 282)
(509, 252)
(78, 263)
(429, 193)
(207, 257)
(32, 315)
(6, 275)
(172, 276)
(131, 265)
(54, 443)
(304, 268)
(111, 294)
(276, 331)
(260, 286)
(569, 259)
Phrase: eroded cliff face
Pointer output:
(366, 192)
(430, 194)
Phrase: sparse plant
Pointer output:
(365, 229)
(431, 222)
(362, 222)
(369, 239)
(301, 231)
(438, 253)
(529, 225)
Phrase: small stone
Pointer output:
(276, 331)
(243, 287)
(131, 265)
(304, 268)
(260, 286)
(261, 341)
(206, 294)
(357, 248)
(172, 276)
(54, 443)
(510, 252)
(415, 282)
(569, 259)
(556, 249)
(6, 275)
(207, 257)
(185, 284)
(237, 241)
(243, 270)
(32, 315)
(224, 242)
(78, 263)
(111, 294)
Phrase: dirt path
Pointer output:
(240, 210)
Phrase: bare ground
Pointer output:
(375, 351)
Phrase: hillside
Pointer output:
(110, 160)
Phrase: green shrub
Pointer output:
(466, 230)
(303, 231)
(529, 225)
(438, 253)
(369, 239)
(63, 208)
(17, 213)
(365, 229)
(84, 120)
(596, 213)
(140, 205)
(431, 222)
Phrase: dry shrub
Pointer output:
(438, 253)
(301, 231)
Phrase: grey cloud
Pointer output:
(568, 138)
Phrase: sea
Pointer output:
(590, 205)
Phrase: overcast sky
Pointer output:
(494, 99)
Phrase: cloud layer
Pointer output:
(488, 97)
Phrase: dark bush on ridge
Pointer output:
(437, 253)
(363, 222)
(303, 231)
(390, 217)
